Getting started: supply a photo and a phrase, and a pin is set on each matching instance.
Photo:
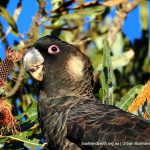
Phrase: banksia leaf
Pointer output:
(127, 99)
(107, 79)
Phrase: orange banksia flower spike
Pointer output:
(13, 55)
(141, 98)
(8, 124)
(6, 117)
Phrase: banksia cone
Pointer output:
(7, 120)
(6, 117)
(7, 65)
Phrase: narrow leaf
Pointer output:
(22, 137)
(5, 14)
(81, 13)
(32, 108)
(107, 75)
(127, 100)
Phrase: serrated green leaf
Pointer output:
(32, 108)
(32, 143)
(3, 139)
(30, 121)
(126, 100)
(22, 137)
(81, 13)
(5, 14)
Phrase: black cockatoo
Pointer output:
(70, 116)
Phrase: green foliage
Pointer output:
(32, 108)
(22, 137)
(5, 14)
(81, 13)
(2, 91)
(107, 80)
(126, 100)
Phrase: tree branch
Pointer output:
(121, 14)
(17, 84)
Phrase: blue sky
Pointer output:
(131, 27)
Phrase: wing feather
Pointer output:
(102, 124)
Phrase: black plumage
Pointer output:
(70, 116)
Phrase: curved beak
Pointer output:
(33, 63)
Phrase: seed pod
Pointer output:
(6, 66)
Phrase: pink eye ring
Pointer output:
(53, 49)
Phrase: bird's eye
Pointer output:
(53, 49)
